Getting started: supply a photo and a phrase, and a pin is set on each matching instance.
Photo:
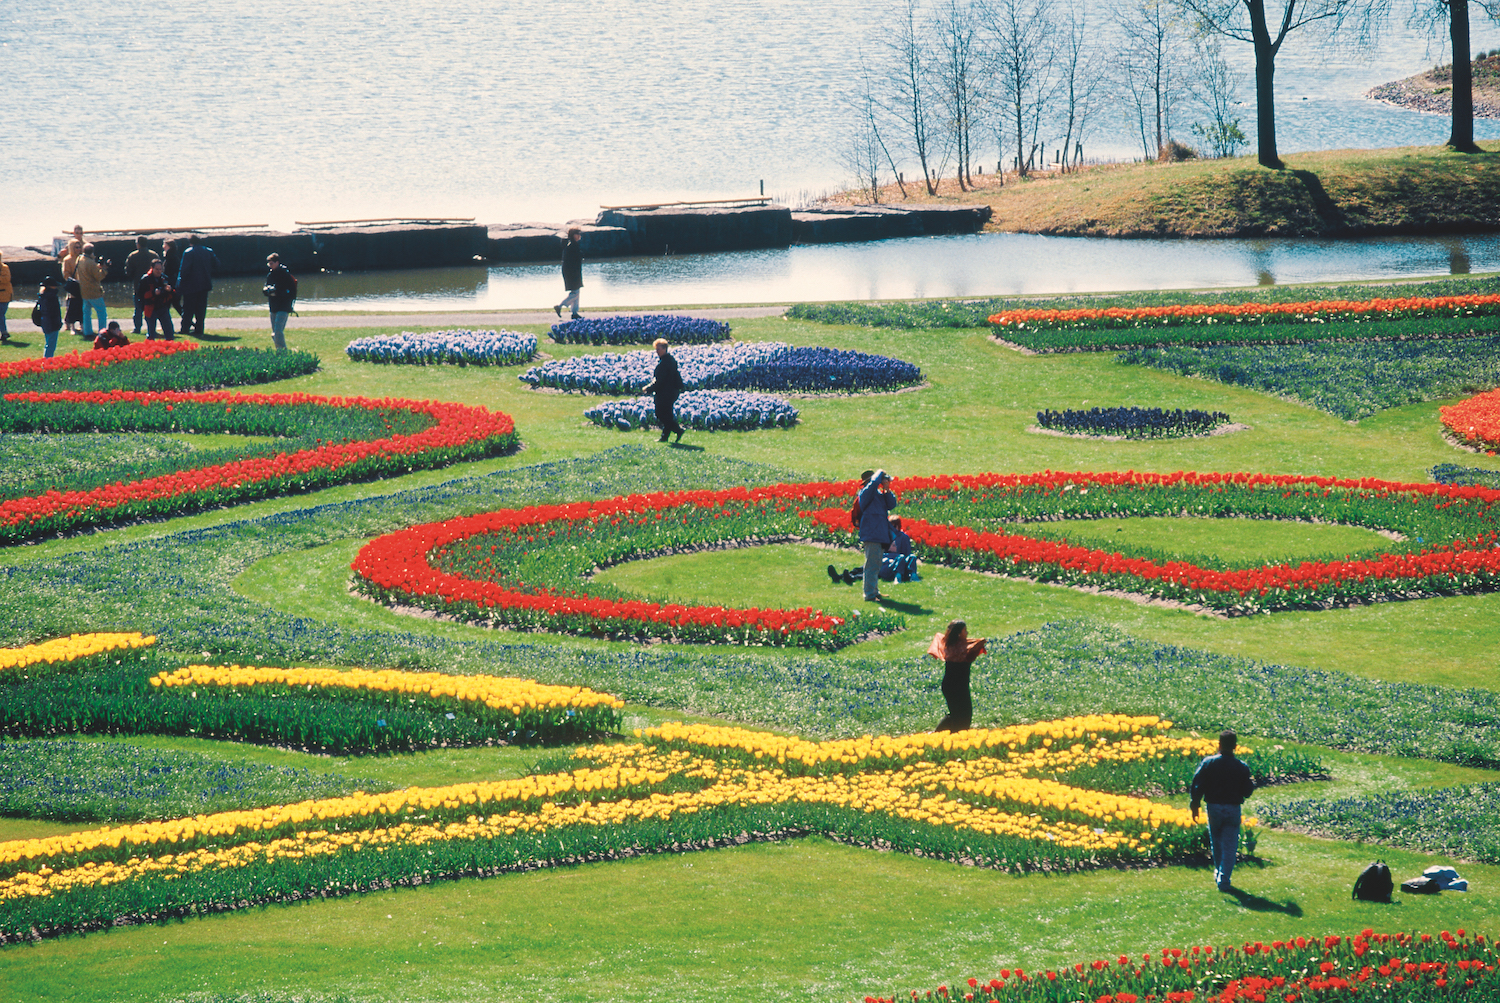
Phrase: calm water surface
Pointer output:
(157, 113)
(980, 265)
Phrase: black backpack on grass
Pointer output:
(1374, 883)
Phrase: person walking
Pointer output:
(1223, 783)
(52, 320)
(137, 264)
(195, 279)
(957, 651)
(875, 503)
(572, 273)
(666, 387)
(6, 295)
(281, 293)
(68, 262)
(171, 252)
(90, 275)
(155, 293)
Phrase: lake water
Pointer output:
(980, 265)
(157, 113)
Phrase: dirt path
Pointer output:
(483, 321)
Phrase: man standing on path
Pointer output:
(572, 271)
(90, 276)
(1224, 783)
(666, 385)
(281, 293)
(194, 281)
(875, 503)
(137, 264)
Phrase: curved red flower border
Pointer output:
(397, 567)
(460, 432)
(96, 360)
(1475, 422)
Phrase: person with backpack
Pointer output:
(1223, 783)
(6, 295)
(281, 294)
(875, 503)
(47, 314)
(137, 264)
(154, 293)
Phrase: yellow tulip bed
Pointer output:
(75, 652)
(995, 798)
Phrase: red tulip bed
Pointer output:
(1369, 965)
(416, 435)
(1475, 422)
(95, 360)
(529, 568)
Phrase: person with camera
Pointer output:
(281, 294)
(155, 293)
(90, 275)
(875, 503)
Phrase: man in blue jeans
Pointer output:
(1223, 782)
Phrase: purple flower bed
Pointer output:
(640, 330)
(709, 410)
(463, 348)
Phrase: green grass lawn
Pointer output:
(809, 918)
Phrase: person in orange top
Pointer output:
(957, 651)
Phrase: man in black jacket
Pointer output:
(281, 293)
(666, 385)
(195, 279)
(1224, 783)
(137, 264)
(572, 271)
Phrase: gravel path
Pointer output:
(472, 321)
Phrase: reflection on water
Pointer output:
(962, 266)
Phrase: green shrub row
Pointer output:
(71, 781)
(1150, 334)
(1351, 381)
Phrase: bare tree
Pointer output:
(1080, 78)
(913, 91)
(1247, 21)
(1216, 86)
(961, 77)
(1024, 38)
(1151, 62)
(865, 151)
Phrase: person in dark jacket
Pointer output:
(957, 651)
(281, 293)
(52, 315)
(572, 271)
(875, 503)
(111, 337)
(666, 386)
(195, 278)
(171, 252)
(1223, 782)
(137, 264)
(154, 293)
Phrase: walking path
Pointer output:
(496, 319)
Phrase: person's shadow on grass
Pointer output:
(912, 608)
(687, 446)
(1258, 903)
(213, 337)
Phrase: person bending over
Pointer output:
(111, 337)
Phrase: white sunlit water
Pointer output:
(223, 112)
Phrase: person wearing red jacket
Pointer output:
(155, 293)
(111, 337)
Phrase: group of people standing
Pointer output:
(179, 278)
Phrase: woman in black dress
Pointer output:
(957, 651)
(666, 385)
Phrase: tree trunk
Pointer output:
(1462, 136)
(1265, 75)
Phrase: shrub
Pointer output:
(461, 348)
(639, 330)
(1133, 422)
(709, 410)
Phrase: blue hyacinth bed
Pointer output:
(462, 348)
(755, 365)
(640, 330)
(707, 410)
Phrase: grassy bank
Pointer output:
(1333, 193)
